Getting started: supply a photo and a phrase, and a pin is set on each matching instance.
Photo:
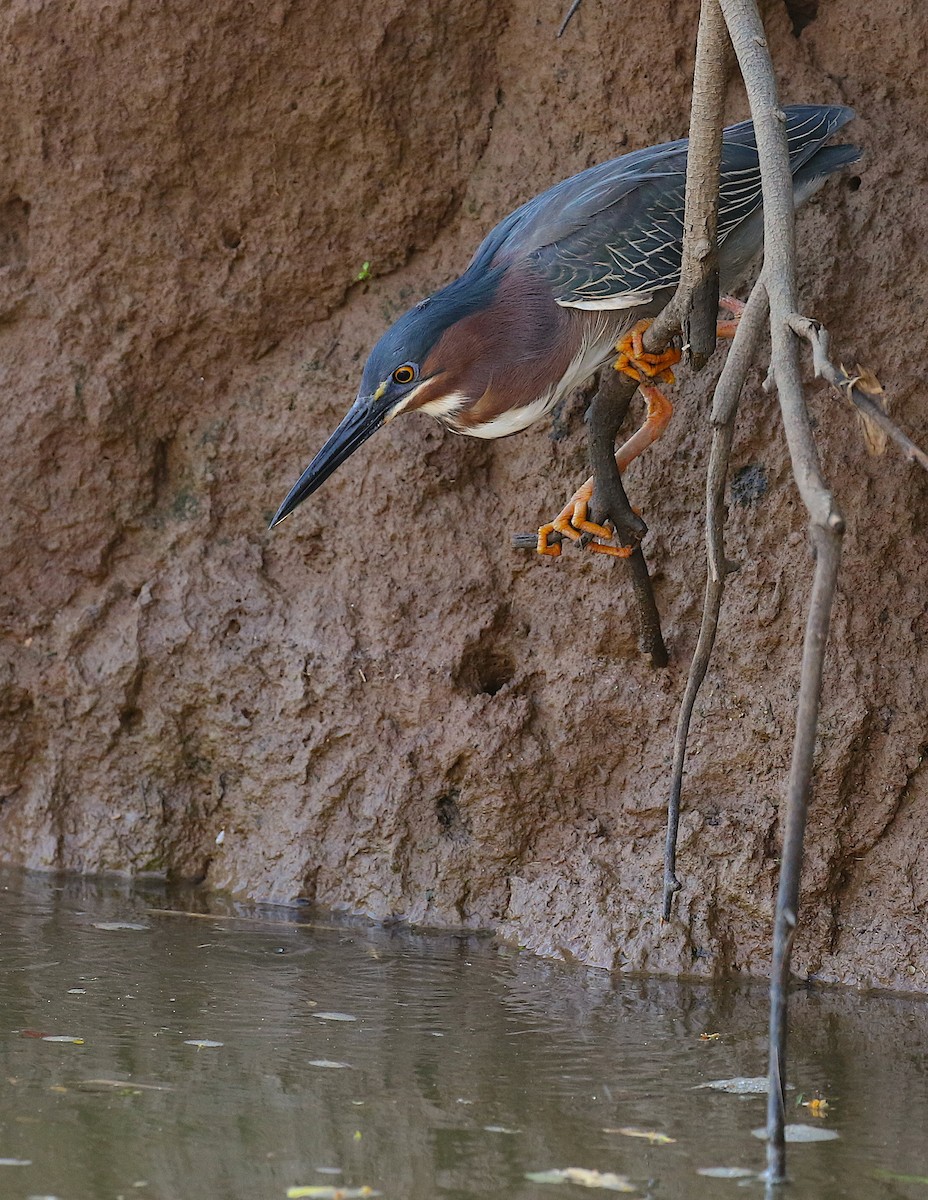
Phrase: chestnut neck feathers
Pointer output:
(506, 363)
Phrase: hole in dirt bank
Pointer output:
(749, 484)
(130, 719)
(801, 13)
(484, 672)
(853, 183)
(14, 232)
(450, 820)
(446, 810)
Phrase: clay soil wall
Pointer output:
(381, 706)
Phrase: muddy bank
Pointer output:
(381, 706)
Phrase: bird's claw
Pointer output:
(633, 360)
(572, 522)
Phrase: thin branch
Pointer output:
(650, 638)
(569, 17)
(826, 522)
(827, 561)
(747, 34)
(693, 310)
(607, 411)
(724, 410)
(851, 386)
(694, 307)
(606, 414)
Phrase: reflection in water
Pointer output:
(466, 1065)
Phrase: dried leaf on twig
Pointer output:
(875, 438)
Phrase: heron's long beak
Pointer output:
(365, 417)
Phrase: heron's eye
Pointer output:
(404, 374)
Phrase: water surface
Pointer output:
(215, 1060)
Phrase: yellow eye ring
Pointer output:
(404, 374)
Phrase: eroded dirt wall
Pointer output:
(381, 706)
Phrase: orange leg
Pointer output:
(633, 360)
(572, 520)
(726, 329)
(732, 304)
(660, 410)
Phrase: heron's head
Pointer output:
(425, 362)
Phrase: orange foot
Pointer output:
(572, 520)
(633, 360)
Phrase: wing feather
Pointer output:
(611, 237)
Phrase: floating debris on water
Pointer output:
(586, 1178)
(894, 1177)
(116, 1085)
(801, 1133)
(327, 1192)
(649, 1135)
(741, 1085)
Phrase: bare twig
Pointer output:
(724, 410)
(569, 17)
(693, 308)
(607, 411)
(650, 637)
(826, 522)
(606, 414)
(780, 255)
(851, 386)
(827, 561)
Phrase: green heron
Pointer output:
(561, 286)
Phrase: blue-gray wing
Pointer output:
(612, 236)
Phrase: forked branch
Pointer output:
(826, 522)
(692, 311)
(862, 388)
(724, 410)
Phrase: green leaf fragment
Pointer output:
(894, 1177)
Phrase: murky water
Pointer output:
(216, 1059)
